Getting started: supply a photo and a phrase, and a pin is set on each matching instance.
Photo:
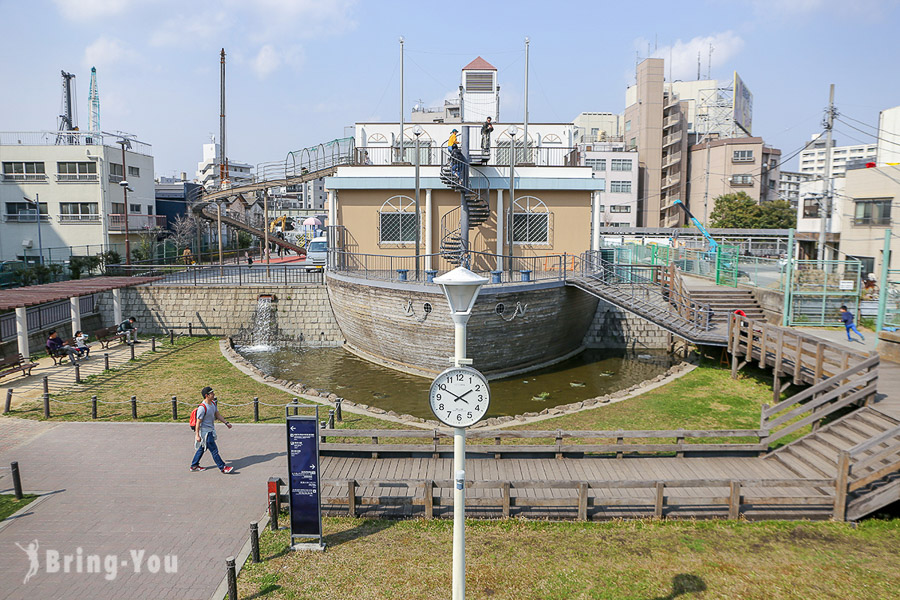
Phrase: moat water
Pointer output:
(590, 374)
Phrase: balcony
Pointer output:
(24, 217)
(72, 177)
(741, 181)
(671, 180)
(872, 221)
(79, 218)
(671, 159)
(136, 222)
(32, 177)
(115, 178)
(670, 139)
(672, 120)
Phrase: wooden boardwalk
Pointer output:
(846, 467)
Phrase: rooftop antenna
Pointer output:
(709, 62)
(698, 65)
(94, 99)
(68, 118)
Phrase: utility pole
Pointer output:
(826, 205)
(525, 132)
(223, 162)
(400, 142)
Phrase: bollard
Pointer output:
(402, 274)
(254, 542)
(190, 330)
(526, 274)
(134, 407)
(322, 426)
(496, 276)
(153, 344)
(331, 419)
(273, 513)
(8, 401)
(106, 361)
(429, 275)
(295, 401)
(256, 410)
(172, 337)
(46, 386)
(132, 350)
(17, 480)
(93, 407)
(232, 578)
(174, 408)
(77, 373)
(46, 406)
(337, 410)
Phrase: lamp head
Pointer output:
(461, 287)
(417, 131)
(512, 131)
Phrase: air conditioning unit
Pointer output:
(27, 243)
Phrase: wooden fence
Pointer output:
(557, 442)
(589, 500)
(864, 465)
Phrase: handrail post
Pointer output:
(840, 486)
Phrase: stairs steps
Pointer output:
(814, 459)
(789, 456)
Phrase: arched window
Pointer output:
(530, 221)
(397, 221)
(551, 138)
(378, 138)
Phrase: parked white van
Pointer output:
(316, 254)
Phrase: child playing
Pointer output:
(81, 344)
(847, 320)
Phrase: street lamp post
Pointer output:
(512, 131)
(461, 287)
(417, 131)
(125, 143)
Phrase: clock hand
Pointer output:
(461, 397)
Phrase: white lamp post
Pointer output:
(461, 287)
(417, 130)
(512, 131)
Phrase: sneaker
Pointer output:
(227, 470)
(197, 468)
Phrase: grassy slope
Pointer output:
(9, 504)
(640, 560)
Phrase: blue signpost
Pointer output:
(303, 481)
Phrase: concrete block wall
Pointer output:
(303, 313)
(613, 327)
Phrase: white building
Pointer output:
(208, 172)
(619, 168)
(597, 127)
(77, 183)
(789, 186)
(812, 158)
(889, 137)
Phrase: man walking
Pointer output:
(129, 328)
(205, 432)
(847, 320)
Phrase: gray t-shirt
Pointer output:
(206, 417)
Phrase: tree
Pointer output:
(184, 229)
(740, 211)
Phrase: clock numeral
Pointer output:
(441, 406)
(469, 415)
(448, 414)
(437, 396)
(459, 376)
(478, 388)
(459, 416)
(477, 407)
(480, 398)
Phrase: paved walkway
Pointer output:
(27, 389)
(126, 486)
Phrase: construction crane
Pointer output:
(68, 119)
(281, 222)
(94, 99)
(713, 245)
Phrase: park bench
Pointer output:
(15, 362)
(58, 355)
(107, 335)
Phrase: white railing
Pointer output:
(70, 138)
(70, 177)
(136, 222)
(79, 218)
(24, 176)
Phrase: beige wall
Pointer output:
(570, 222)
(868, 240)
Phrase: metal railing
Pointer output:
(24, 176)
(72, 138)
(47, 315)
(226, 274)
(79, 218)
(432, 155)
(72, 177)
(136, 222)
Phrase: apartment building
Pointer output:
(871, 194)
(812, 158)
(728, 166)
(789, 186)
(81, 185)
(612, 162)
(597, 127)
(208, 168)
(888, 148)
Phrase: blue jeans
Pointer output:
(214, 450)
(852, 327)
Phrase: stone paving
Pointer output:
(119, 487)
(26, 389)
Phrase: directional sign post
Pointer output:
(303, 481)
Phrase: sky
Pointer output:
(300, 71)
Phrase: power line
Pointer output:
(879, 138)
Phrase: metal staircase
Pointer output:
(476, 201)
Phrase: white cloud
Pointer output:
(86, 10)
(681, 57)
(183, 31)
(298, 18)
(270, 58)
(107, 52)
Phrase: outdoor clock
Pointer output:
(460, 396)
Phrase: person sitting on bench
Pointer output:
(129, 329)
(55, 347)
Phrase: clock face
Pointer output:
(460, 396)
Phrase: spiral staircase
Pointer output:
(476, 202)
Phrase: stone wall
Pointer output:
(771, 301)
(614, 327)
(37, 340)
(302, 312)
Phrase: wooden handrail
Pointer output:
(871, 443)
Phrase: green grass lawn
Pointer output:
(195, 364)
(639, 560)
(9, 504)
